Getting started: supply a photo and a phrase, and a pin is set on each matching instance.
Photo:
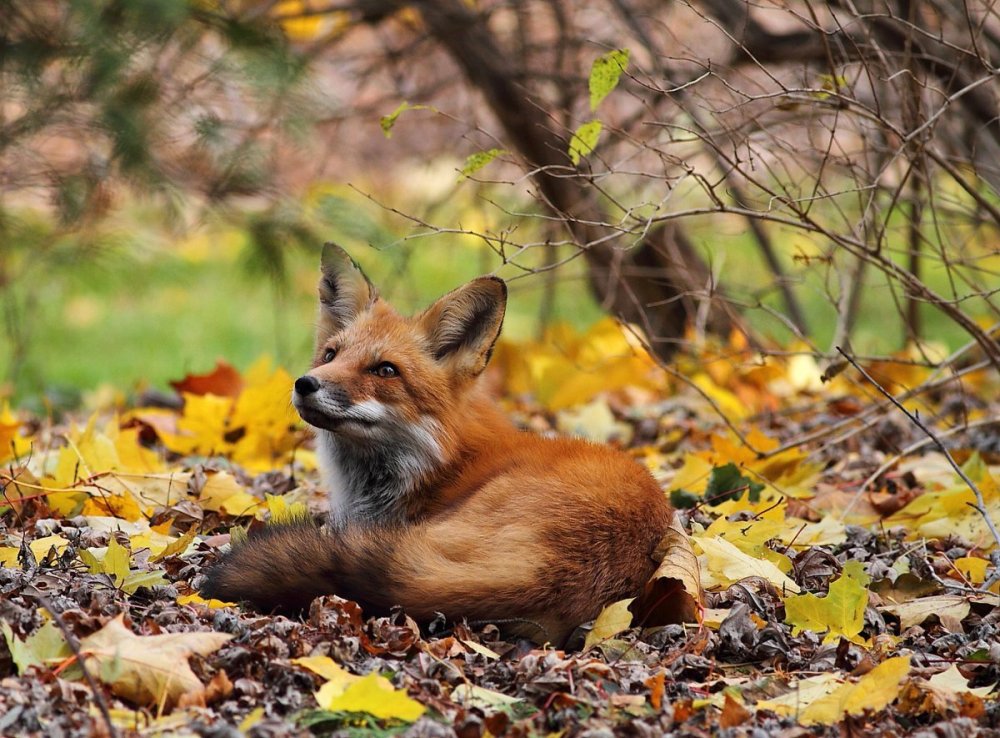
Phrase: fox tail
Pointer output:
(281, 567)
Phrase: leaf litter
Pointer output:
(834, 583)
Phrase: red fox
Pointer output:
(437, 502)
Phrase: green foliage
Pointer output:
(120, 79)
(475, 162)
(726, 483)
(388, 121)
(272, 235)
(605, 73)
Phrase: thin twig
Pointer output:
(916, 446)
(75, 648)
(980, 505)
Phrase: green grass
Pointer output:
(133, 320)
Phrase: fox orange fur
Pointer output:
(437, 502)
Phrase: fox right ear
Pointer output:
(344, 291)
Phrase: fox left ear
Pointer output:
(464, 325)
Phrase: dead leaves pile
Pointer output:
(822, 595)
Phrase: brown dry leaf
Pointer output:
(673, 594)
(147, 670)
(657, 687)
(951, 610)
(944, 693)
(223, 381)
(733, 713)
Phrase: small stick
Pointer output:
(75, 648)
(917, 445)
(980, 505)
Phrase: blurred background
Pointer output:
(787, 176)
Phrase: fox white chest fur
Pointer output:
(368, 479)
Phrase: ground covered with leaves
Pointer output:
(844, 554)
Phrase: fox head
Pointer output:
(379, 376)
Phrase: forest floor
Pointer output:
(844, 555)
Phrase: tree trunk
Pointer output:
(662, 285)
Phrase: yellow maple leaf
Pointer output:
(767, 523)
(133, 457)
(840, 614)
(329, 669)
(40, 548)
(725, 564)
(12, 443)
(296, 20)
(727, 403)
(565, 368)
(86, 478)
(874, 691)
(263, 418)
(375, 695)
(693, 475)
(222, 493)
(280, 511)
(197, 599)
(951, 511)
(203, 426)
(612, 620)
(87, 453)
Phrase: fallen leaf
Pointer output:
(41, 647)
(657, 686)
(874, 691)
(733, 713)
(147, 670)
(839, 614)
(611, 621)
(222, 493)
(802, 692)
(480, 649)
(472, 695)
(727, 565)
(673, 594)
(223, 381)
(12, 443)
(952, 680)
(327, 668)
(197, 599)
(950, 610)
(375, 695)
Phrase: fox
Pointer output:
(438, 503)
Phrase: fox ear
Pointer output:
(344, 291)
(463, 325)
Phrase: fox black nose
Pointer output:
(306, 385)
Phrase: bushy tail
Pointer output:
(279, 568)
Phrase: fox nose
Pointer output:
(306, 385)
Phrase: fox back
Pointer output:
(437, 502)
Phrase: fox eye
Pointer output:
(328, 355)
(385, 370)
